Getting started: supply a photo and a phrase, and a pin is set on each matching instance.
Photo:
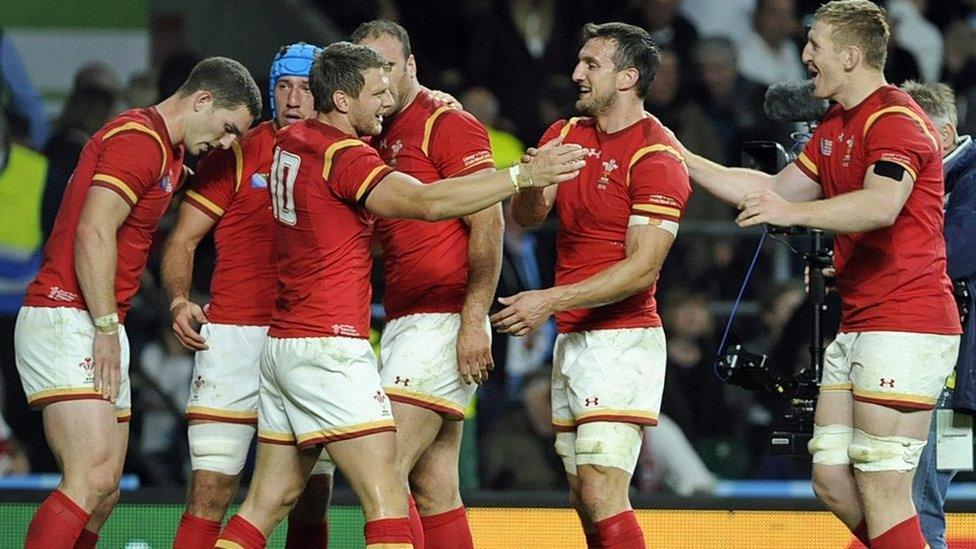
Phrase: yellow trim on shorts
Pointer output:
(899, 397)
(390, 546)
(61, 391)
(437, 401)
(616, 412)
(222, 412)
(836, 387)
(280, 437)
(340, 431)
(227, 544)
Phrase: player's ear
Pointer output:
(202, 99)
(411, 66)
(627, 79)
(852, 56)
(341, 101)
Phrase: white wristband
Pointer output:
(513, 174)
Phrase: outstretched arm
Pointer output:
(177, 272)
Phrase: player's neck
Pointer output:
(173, 110)
(624, 114)
(859, 88)
(337, 120)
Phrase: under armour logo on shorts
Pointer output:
(595, 401)
(890, 383)
(404, 380)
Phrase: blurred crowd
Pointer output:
(508, 62)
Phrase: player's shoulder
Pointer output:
(135, 122)
(430, 110)
(262, 134)
(567, 126)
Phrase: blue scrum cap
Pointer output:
(293, 60)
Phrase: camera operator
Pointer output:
(959, 162)
(872, 174)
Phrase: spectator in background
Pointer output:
(931, 483)
(913, 32)
(13, 460)
(517, 450)
(94, 100)
(732, 102)
(667, 27)
(777, 306)
(720, 18)
(24, 101)
(669, 463)
(506, 149)
(685, 117)
(768, 54)
(959, 71)
(22, 173)
(901, 64)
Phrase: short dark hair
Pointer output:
(340, 66)
(230, 83)
(635, 49)
(381, 27)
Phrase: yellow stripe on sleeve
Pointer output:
(117, 183)
(135, 126)
(205, 202)
(807, 163)
(654, 208)
(429, 128)
(650, 149)
(368, 180)
(331, 152)
(906, 111)
(238, 164)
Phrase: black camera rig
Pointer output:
(799, 390)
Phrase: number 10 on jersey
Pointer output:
(284, 171)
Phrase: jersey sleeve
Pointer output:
(355, 170)
(459, 145)
(901, 137)
(130, 163)
(213, 187)
(810, 157)
(659, 187)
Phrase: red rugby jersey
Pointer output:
(890, 279)
(319, 178)
(231, 186)
(636, 171)
(426, 263)
(133, 157)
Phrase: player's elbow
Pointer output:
(884, 215)
(87, 235)
(527, 219)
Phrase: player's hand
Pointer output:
(765, 206)
(524, 312)
(187, 315)
(555, 163)
(474, 351)
(447, 98)
(530, 153)
(106, 352)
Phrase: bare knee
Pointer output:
(594, 491)
(435, 491)
(313, 504)
(210, 494)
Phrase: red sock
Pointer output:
(861, 533)
(621, 531)
(241, 534)
(593, 540)
(57, 523)
(196, 533)
(449, 530)
(416, 526)
(390, 533)
(86, 540)
(307, 534)
(907, 534)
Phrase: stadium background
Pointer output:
(472, 49)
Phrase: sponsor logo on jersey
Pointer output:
(826, 146)
(259, 181)
(344, 329)
(57, 294)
